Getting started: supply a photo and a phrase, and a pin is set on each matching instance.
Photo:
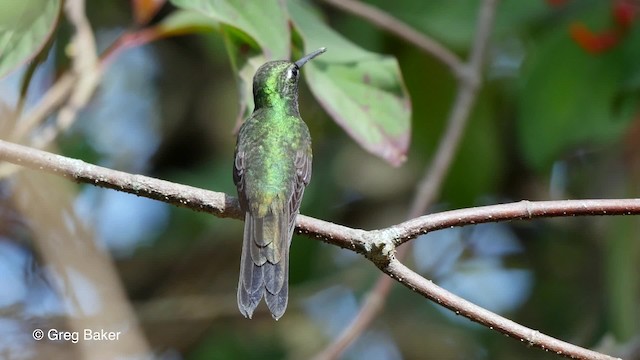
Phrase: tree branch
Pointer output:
(512, 211)
(460, 306)
(379, 246)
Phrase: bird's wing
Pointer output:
(303, 176)
(238, 175)
(250, 286)
(277, 275)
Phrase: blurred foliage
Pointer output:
(557, 117)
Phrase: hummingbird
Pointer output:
(272, 167)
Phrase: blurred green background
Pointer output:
(557, 117)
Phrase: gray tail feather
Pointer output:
(277, 300)
(250, 286)
(264, 265)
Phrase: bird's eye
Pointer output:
(292, 73)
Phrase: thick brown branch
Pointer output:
(377, 245)
(460, 306)
(216, 203)
(361, 241)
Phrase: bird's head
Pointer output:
(276, 82)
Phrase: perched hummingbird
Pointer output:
(271, 169)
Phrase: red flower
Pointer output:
(625, 12)
(592, 42)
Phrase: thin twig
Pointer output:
(512, 211)
(51, 101)
(376, 245)
(85, 64)
(468, 88)
(371, 307)
(402, 30)
(373, 304)
(469, 79)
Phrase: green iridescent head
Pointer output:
(276, 82)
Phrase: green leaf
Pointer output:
(264, 21)
(185, 22)
(363, 91)
(25, 26)
(247, 25)
(245, 66)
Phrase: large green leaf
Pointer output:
(25, 26)
(185, 22)
(255, 32)
(265, 21)
(363, 91)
